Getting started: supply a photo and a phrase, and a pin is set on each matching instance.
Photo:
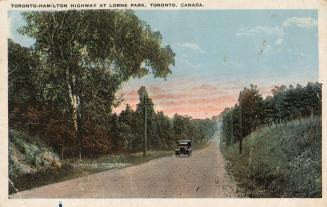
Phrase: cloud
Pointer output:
(301, 22)
(260, 30)
(205, 86)
(192, 46)
(188, 63)
(279, 31)
(275, 31)
(279, 41)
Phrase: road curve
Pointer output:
(202, 175)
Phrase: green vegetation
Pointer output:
(62, 91)
(127, 128)
(279, 161)
(63, 88)
(252, 111)
(281, 152)
(107, 162)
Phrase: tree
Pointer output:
(116, 131)
(22, 71)
(184, 128)
(227, 126)
(91, 53)
(251, 107)
(164, 130)
(145, 113)
(284, 105)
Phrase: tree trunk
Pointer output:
(74, 104)
(241, 140)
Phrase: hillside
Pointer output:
(279, 161)
(28, 156)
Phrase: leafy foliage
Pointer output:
(253, 111)
(162, 131)
(63, 87)
(40, 105)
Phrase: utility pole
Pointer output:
(241, 130)
(232, 131)
(146, 104)
(145, 125)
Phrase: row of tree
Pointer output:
(63, 87)
(162, 131)
(252, 110)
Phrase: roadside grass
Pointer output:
(108, 162)
(279, 161)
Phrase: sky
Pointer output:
(218, 53)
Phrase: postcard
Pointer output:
(142, 103)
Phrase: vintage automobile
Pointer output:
(184, 147)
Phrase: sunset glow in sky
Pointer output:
(218, 53)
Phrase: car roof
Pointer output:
(184, 140)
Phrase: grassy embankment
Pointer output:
(279, 161)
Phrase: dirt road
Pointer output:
(202, 175)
